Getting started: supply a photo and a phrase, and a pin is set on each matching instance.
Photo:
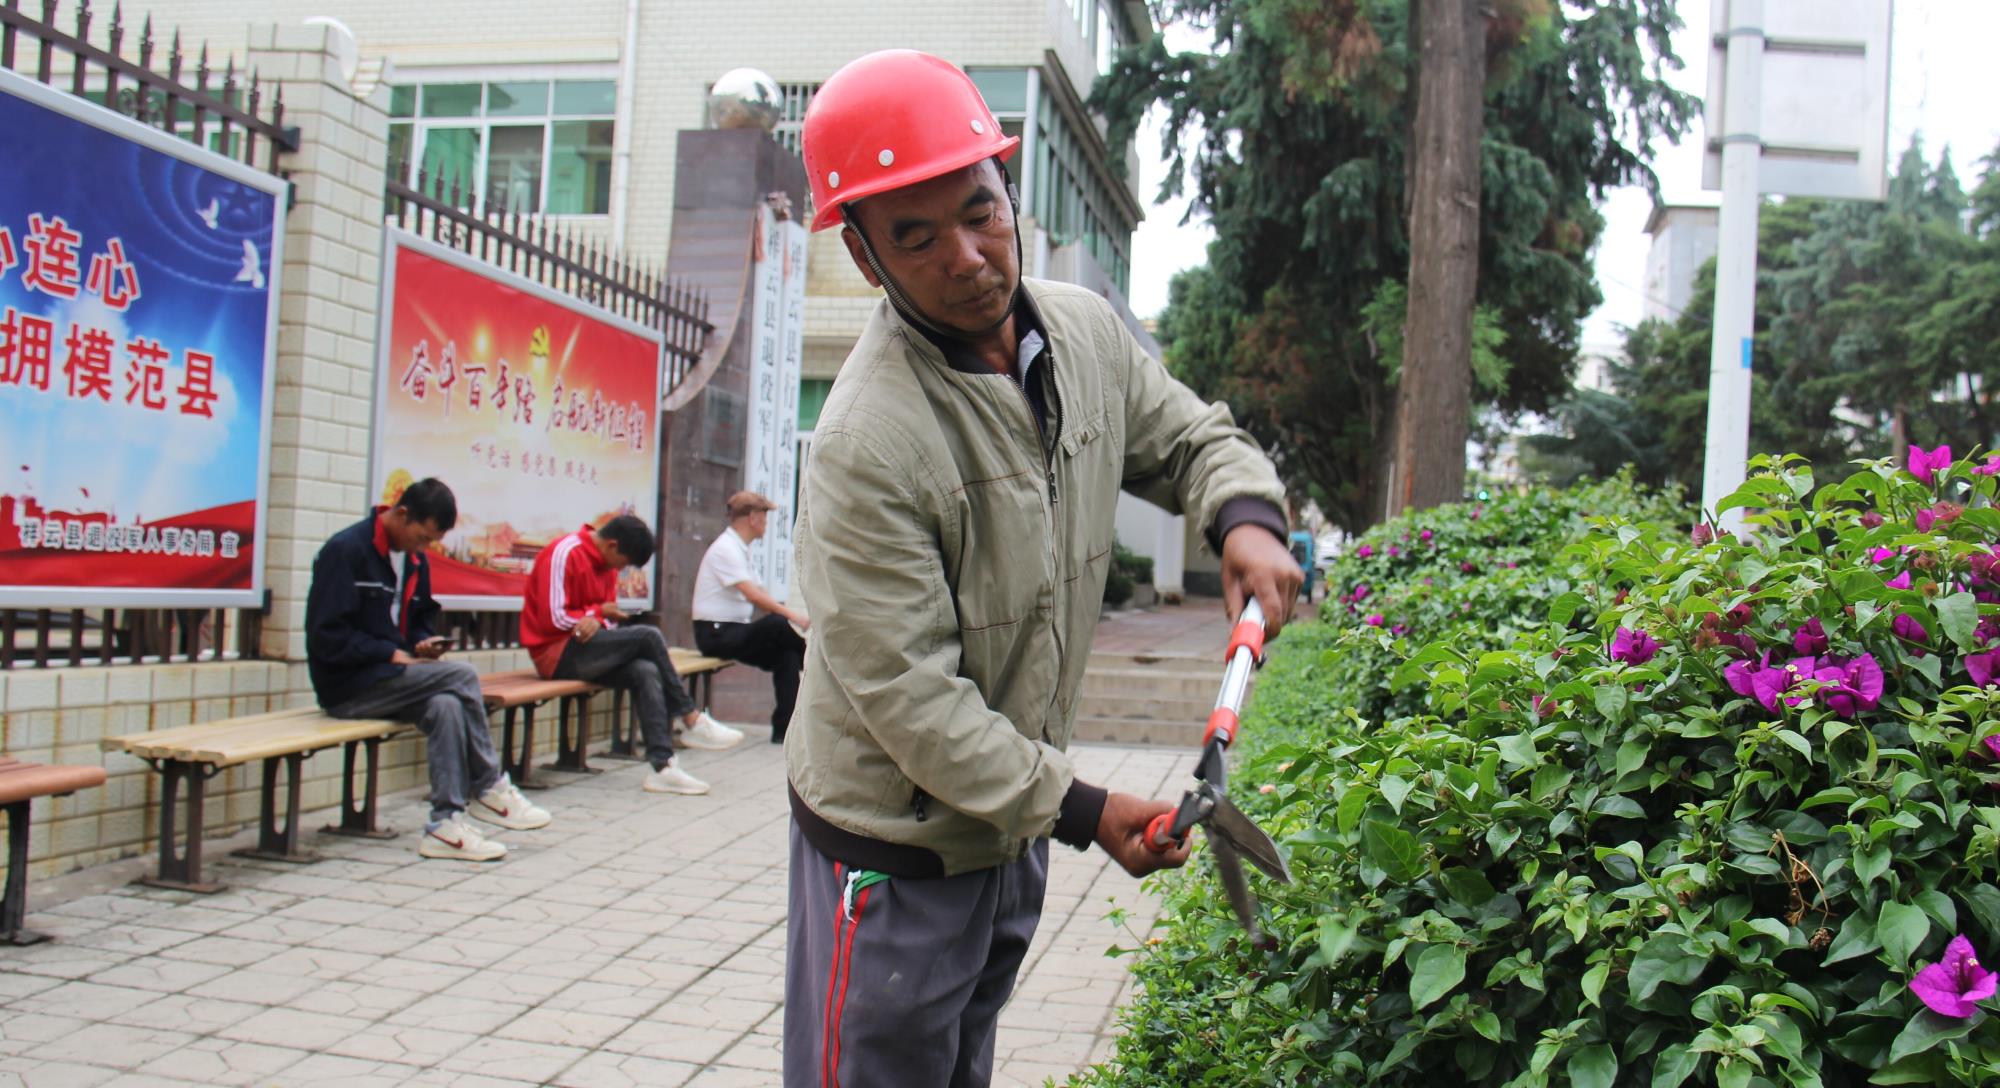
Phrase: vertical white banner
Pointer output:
(785, 440)
(767, 315)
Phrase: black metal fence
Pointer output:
(544, 252)
(226, 112)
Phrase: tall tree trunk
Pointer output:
(1433, 399)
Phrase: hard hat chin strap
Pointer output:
(909, 311)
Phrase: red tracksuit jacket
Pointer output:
(570, 580)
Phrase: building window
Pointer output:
(539, 146)
(796, 97)
(1072, 198)
(1108, 38)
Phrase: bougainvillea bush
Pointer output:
(1460, 572)
(1725, 813)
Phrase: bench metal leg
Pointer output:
(14, 901)
(624, 731)
(520, 763)
(275, 843)
(357, 820)
(180, 869)
(573, 736)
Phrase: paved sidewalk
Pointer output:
(638, 940)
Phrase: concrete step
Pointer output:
(1143, 683)
(1150, 709)
(1197, 665)
(1116, 730)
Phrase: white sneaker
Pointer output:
(457, 840)
(671, 779)
(710, 735)
(504, 806)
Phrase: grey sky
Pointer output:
(1944, 82)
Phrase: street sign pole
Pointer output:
(1735, 262)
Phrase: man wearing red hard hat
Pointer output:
(955, 530)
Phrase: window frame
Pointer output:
(484, 122)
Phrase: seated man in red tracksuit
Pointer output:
(570, 625)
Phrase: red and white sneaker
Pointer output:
(504, 806)
(457, 840)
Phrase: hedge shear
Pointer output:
(1232, 836)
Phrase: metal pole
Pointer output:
(1735, 261)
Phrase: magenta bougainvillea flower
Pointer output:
(1849, 686)
(1425, 536)
(1910, 630)
(1759, 680)
(1545, 706)
(1983, 667)
(1955, 985)
(1361, 592)
(1375, 619)
(1901, 581)
(1871, 520)
(1740, 616)
(1880, 556)
(1365, 551)
(1925, 466)
(1991, 467)
(1466, 567)
(1633, 647)
(1702, 536)
(1810, 639)
(1399, 630)
(1925, 519)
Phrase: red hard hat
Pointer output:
(892, 119)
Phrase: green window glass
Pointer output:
(451, 156)
(580, 167)
(594, 96)
(812, 398)
(401, 141)
(517, 99)
(403, 101)
(451, 100)
(1005, 89)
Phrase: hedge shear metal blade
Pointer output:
(1226, 823)
(1230, 869)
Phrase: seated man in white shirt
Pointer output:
(726, 598)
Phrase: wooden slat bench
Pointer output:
(20, 784)
(188, 756)
(521, 692)
(518, 694)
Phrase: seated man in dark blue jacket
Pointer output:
(373, 653)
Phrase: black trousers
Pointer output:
(770, 644)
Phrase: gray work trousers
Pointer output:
(442, 698)
(634, 659)
(901, 983)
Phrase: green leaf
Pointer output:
(1901, 928)
(1593, 982)
(1732, 1074)
(1619, 806)
(1564, 608)
(1674, 1066)
(1856, 938)
(1393, 849)
(1487, 1025)
(1394, 788)
(1632, 754)
(1752, 570)
(1663, 959)
(1518, 749)
(1593, 1067)
(1870, 863)
(1983, 900)
(1926, 1030)
(1352, 804)
(1958, 615)
(1611, 700)
(1468, 886)
(1501, 838)
(1438, 970)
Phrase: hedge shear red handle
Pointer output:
(1246, 650)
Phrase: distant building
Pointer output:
(1684, 239)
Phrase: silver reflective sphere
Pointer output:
(745, 98)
